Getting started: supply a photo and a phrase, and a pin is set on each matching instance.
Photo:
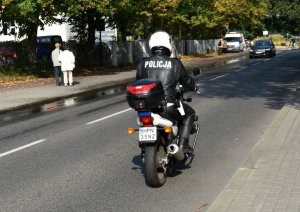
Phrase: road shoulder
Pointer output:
(269, 179)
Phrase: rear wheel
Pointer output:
(154, 171)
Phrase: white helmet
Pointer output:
(160, 39)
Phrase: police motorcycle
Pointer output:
(158, 136)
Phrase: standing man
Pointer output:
(293, 42)
(56, 64)
(222, 46)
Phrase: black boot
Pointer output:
(184, 132)
(186, 148)
(186, 128)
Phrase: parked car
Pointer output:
(45, 45)
(262, 48)
(8, 52)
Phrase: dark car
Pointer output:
(45, 45)
(262, 48)
(8, 52)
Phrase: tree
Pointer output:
(284, 16)
(195, 19)
(140, 17)
(242, 14)
(28, 15)
(124, 14)
(84, 16)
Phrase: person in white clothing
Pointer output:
(67, 60)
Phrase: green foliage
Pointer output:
(195, 19)
(184, 19)
(127, 15)
(284, 16)
(28, 15)
(242, 14)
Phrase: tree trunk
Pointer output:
(91, 15)
(123, 32)
(32, 46)
(91, 29)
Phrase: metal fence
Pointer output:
(125, 53)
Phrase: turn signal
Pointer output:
(130, 131)
(168, 129)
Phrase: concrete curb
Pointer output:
(93, 89)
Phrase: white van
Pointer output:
(235, 41)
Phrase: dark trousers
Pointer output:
(185, 122)
(57, 74)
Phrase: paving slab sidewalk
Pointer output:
(28, 97)
(269, 179)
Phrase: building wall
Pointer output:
(57, 29)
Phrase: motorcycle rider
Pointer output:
(170, 71)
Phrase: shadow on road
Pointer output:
(173, 172)
(276, 85)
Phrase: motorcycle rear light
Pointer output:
(15, 56)
(147, 121)
(140, 89)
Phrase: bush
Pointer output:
(278, 40)
(283, 44)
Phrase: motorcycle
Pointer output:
(158, 136)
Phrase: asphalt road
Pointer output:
(80, 158)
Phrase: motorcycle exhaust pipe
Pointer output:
(174, 150)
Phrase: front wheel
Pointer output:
(155, 173)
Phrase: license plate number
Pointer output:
(148, 134)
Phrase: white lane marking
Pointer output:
(21, 148)
(240, 69)
(255, 63)
(218, 77)
(107, 117)
(267, 59)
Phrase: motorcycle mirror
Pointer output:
(196, 72)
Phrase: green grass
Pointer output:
(9, 79)
(10, 74)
